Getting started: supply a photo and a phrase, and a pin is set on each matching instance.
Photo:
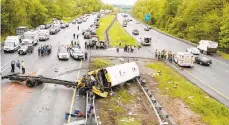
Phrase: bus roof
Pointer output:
(122, 73)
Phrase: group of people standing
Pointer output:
(164, 54)
(19, 65)
(128, 48)
(95, 44)
(44, 50)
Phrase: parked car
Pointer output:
(87, 35)
(76, 53)
(62, 25)
(73, 21)
(62, 53)
(26, 48)
(47, 26)
(203, 60)
(146, 28)
(67, 24)
(193, 50)
(97, 25)
(135, 32)
(79, 21)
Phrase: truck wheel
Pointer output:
(30, 83)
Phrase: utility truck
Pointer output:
(31, 37)
(207, 46)
(44, 34)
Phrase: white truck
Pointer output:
(207, 46)
(30, 37)
(11, 44)
(184, 59)
(44, 34)
(55, 28)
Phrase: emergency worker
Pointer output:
(23, 67)
(108, 77)
(12, 66)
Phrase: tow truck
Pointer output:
(98, 81)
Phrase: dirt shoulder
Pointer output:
(130, 106)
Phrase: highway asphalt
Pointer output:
(212, 79)
(46, 104)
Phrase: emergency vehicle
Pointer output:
(184, 59)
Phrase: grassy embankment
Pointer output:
(114, 112)
(211, 111)
(104, 21)
(118, 33)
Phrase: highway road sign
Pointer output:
(147, 17)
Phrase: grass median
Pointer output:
(104, 21)
(211, 111)
(118, 33)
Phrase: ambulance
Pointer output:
(184, 59)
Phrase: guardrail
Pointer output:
(108, 28)
(162, 116)
(91, 118)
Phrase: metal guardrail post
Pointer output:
(160, 113)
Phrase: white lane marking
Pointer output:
(209, 72)
(10, 88)
(44, 87)
(8, 62)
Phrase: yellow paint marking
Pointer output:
(207, 85)
(73, 96)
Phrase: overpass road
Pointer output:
(212, 79)
(45, 104)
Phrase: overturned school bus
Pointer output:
(98, 81)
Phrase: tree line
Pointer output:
(193, 20)
(32, 13)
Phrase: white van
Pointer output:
(184, 59)
(208, 47)
(44, 35)
(11, 44)
(31, 37)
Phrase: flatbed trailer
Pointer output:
(31, 81)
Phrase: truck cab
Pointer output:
(32, 37)
(207, 47)
(11, 44)
(146, 40)
(44, 35)
(21, 30)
